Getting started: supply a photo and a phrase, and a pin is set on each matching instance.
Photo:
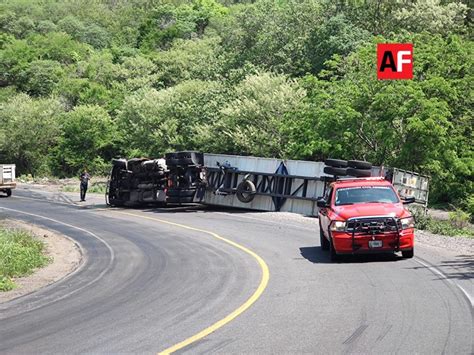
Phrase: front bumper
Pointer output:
(345, 243)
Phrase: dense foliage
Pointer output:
(84, 81)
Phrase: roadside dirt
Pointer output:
(58, 185)
(66, 257)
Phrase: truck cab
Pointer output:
(363, 216)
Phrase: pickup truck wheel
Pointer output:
(408, 254)
(334, 255)
(323, 241)
(9, 192)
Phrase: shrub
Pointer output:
(20, 254)
(459, 219)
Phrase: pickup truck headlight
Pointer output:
(338, 226)
(408, 222)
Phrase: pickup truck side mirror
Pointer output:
(321, 202)
(408, 200)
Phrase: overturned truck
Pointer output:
(264, 184)
(175, 179)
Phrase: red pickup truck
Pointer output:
(365, 215)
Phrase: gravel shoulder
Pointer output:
(66, 257)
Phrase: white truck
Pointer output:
(264, 184)
(7, 178)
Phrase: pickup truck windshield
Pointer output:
(365, 194)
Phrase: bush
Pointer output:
(469, 206)
(459, 219)
(456, 226)
(20, 254)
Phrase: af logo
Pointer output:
(394, 61)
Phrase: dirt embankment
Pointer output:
(66, 257)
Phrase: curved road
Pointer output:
(146, 285)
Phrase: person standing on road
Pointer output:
(85, 177)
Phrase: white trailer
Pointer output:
(287, 185)
(281, 185)
(7, 178)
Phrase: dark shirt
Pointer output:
(85, 177)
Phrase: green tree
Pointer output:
(431, 16)
(89, 33)
(335, 36)
(271, 34)
(255, 120)
(60, 47)
(42, 77)
(46, 26)
(156, 122)
(89, 140)
(82, 91)
(29, 128)
(423, 125)
(191, 59)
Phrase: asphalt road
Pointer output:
(146, 285)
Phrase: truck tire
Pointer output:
(336, 163)
(172, 159)
(9, 192)
(323, 241)
(246, 191)
(120, 163)
(116, 203)
(335, 171)
(408, 254)
(172, 162)
(190, 158)
(358, 172)
(359, 164)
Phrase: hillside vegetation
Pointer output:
(84, 81)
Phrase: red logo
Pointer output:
(394, 61)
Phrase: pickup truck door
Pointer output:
(323, 212)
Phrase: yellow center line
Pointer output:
(255, 296)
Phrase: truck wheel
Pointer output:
(246, 191)
(336, 163)
(359, 172)
(359, 164)
(116, 203)
(335, 171)
(334, 255)
(408, 254)
(324, 242)
(9, 192)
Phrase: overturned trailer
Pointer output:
(263, 184)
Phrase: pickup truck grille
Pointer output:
(373, 225)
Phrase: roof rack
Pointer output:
(374, 178)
